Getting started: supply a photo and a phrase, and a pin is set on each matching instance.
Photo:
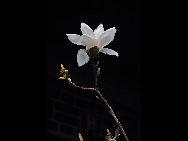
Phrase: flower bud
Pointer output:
(98, 71)
(69, 79)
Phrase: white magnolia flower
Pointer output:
(99, 38)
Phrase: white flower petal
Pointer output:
(106, 37)
(109, 51)
(74, 38)
(98, 31)
(89, 42)
(82, 57)
(86, 30)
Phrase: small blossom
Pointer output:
(92, 39)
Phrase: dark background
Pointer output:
(27, 24)
(27, 59)
(69, 110)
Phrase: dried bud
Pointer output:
(109, 137)
(63, 73)
(117, 133)
(62, 70)
(80, 137)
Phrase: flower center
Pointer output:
(92, 52)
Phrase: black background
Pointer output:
(120, 76)
(117, 73)
(39, 46)
(27, 26)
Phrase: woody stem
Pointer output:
(95, 72)
(108, 106)
(106, 103)
(112, 114)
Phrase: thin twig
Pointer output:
(76, 86)
(113, 114)
(95, 72)
(105, 102)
